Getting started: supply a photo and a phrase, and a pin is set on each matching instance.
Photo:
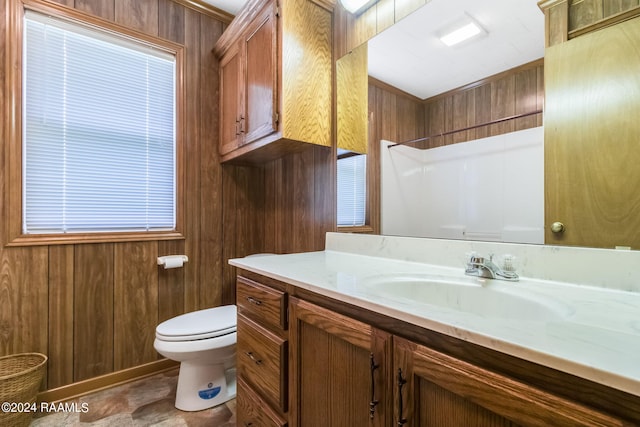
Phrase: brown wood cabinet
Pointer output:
(339, 369)
(434, 389)
(343, 366)
(262, 354)
(592, 90)
(248, 84)
(275, 80)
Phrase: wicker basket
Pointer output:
(20, 378)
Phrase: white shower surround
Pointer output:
(487, 189)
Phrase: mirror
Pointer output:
(409, 57)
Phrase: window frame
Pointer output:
(13, 159)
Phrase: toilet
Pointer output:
(204, 342)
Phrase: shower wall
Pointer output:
(486, 189)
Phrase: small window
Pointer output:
(351, 188)
(99, 131)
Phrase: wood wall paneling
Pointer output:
(503, 104)
(61, 311)
(517, 91)
(93, 310)
(482, 100)
(24, 300)
(171, 21)
(103, 8)
(141, 15)
(135, 303)
(171, 289)
(566, 19)
(324, 195)
(193, 155)
(211, 254)
(584, 12)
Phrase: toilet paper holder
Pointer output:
(172, 261)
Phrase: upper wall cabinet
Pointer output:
(275, 80)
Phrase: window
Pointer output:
(98, 131)
(351, 188)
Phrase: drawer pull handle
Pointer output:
(254, 301)
(252, 357)
(401, 382)
(374, 402)
(248, 424)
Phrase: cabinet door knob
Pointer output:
(557, 227)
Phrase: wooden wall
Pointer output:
(93, 308)
(566, 19)
(514, 92)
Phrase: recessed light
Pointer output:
(464, 29)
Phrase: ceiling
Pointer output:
(231, 6)
(410, 56)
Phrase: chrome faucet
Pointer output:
(481, 267)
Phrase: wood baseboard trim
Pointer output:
(102, 382)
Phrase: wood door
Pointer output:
(436, 390)
(261, 95)
(339, 370)
(592, 89)
(231, 95)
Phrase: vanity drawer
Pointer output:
(262, 303)
(253, 411)
(262, 361)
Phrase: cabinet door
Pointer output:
(260, 46)
(339, 369)
(231, 80)
(591, 134)
(436, 390)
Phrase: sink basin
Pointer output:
(490, 299)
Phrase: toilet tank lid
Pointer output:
(200, 322)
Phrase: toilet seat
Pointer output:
(199, 325)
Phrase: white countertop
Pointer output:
(594, 332)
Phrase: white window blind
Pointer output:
(352, 190)
(98, 131)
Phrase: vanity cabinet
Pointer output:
(435, 389)
(275, 80)
(262, 354)
(324, 362)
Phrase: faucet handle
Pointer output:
(508, 262)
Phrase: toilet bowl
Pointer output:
(204, 342)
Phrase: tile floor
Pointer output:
(146, 402)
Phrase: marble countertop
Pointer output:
(590, 332)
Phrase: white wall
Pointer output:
(487, 189)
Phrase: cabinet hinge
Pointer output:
(277, 11)
(276, 117)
